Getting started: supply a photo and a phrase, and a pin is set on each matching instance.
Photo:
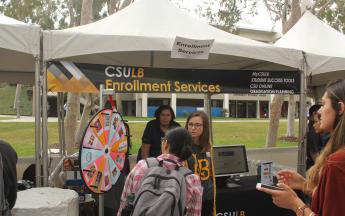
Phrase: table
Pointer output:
(46, 202)
(245, 200)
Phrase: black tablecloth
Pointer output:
(245, 200)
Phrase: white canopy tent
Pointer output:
(324, 49)
(20, 63)
(19, 48)
(143, 35)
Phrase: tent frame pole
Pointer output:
(37, 122)
(302, 149)
(207, 109)
(101, 196)
(61, 114)
(45, 127)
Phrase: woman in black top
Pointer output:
(200, 163)
(155, 130)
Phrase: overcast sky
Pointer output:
(261, 21)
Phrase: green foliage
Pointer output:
(51, 14)
(334, 14)
(226, 13)
(42, 12)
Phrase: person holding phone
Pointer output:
(325, 181)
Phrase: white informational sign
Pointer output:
(266, 173)
(191, 49)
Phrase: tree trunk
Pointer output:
(113, 6)
(275, 111)
(294, 16)
(16, 103)
(278, 99)
(71, 120)
(86, 12)
(71, 12)
(73, 99)
(84, 118)
(291, 117)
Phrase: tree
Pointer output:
(112, 6)
(42, 12)
(286, 11)
(289, 12)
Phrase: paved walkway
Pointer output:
(55, 119)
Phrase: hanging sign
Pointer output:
(126, 79)
(190, 48)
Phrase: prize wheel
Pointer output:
(103, 151)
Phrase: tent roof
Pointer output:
(129, 36)
(19, 45)
(323, 45)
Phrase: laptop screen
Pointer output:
(229, 160)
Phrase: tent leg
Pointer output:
(101, 204)
(101, 196)
(45, 128)
(207, 108)
(60, 110)
(301, 167)
(37, 123)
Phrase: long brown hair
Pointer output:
(336, 93)
(205, 136)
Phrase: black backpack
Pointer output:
(4, 205)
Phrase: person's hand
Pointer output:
(286, 198)
(291, 178)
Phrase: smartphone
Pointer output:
(272, 187)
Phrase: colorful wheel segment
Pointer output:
(103, 151)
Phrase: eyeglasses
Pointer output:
(196, 126)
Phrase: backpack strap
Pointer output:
(152, 162)
(185, 171)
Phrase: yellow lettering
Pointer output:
(155, 87)
(108, 84)
(129, 86)
(177, 86)
(133, 73)
(211, 88)
(145, 87)
(204, 169)
(204, 88)
(184, 88)
(116, 86)
(140, 72)
(217, 88)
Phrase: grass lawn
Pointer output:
(7, 95)
(252, 134)
(5, 118)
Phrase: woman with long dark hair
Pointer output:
(155, 130)
(325, 181)
(198, 126)
(176, 148)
